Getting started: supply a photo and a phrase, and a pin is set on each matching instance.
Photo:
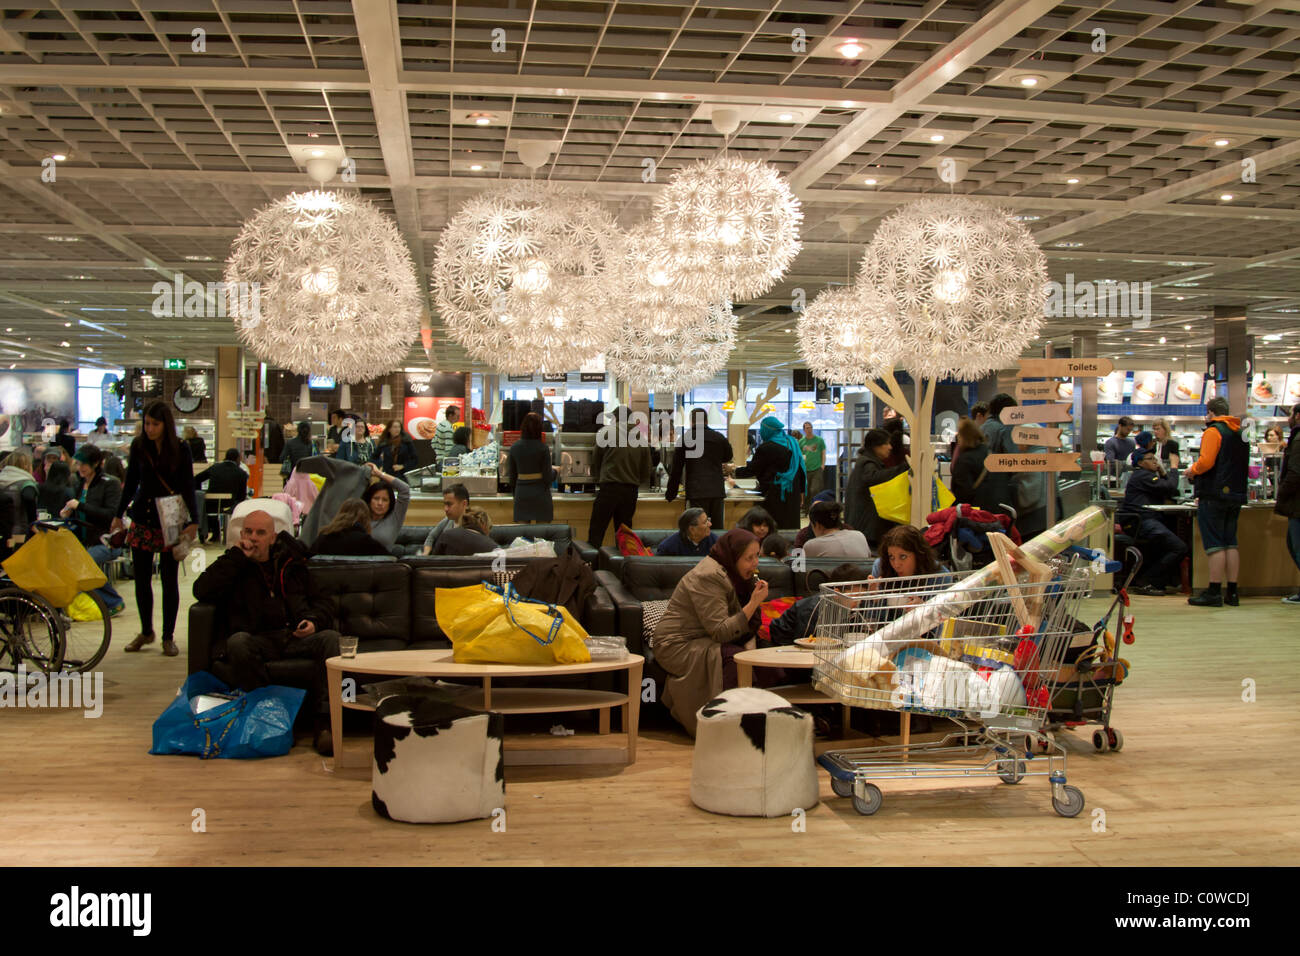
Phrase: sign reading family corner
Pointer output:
(1066, 367)
(1033, 461)
(1034, 414)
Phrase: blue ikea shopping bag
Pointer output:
(254, 724)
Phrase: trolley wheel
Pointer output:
(1047, 743)
(1011, 770)
(869, 801)
(1115, 738)
(1072, 805)
(842, 788)
(1031, 743)
(1100, 742)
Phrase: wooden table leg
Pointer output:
(744, 674)
(487, 693)
(905, 728)
(632, 716)
(604, 720)
(336, 711)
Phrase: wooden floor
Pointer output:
(1204, 778)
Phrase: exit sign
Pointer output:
(174, 365)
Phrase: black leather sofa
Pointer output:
(388, 604)
(610, 559)
(410, 539)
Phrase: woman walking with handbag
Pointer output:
(159, 496)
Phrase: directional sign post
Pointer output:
(1033, 414)
(1066, 368)
(1026, 391)
(1050, 437)
(1033, 461)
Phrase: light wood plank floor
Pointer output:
(1204, 778)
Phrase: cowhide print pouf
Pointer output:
(436, 762)
(753, 756)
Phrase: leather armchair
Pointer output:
(410, 538)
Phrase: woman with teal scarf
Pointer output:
(777, 465)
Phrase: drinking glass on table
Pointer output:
(348, 646)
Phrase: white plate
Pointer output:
(414, 427)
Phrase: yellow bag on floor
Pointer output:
(893, 498)
(55, 566)
(83, 608)
(491, 625)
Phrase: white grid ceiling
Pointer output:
(169, 149)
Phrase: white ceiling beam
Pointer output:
(380, 37)
(1041, 109)
(997, 26)
(1229, 173)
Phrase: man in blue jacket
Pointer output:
(1151, 484)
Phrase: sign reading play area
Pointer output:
(1033, 461)
(1036, 436)
(1066, 367)
(1033, 414)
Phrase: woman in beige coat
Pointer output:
(712, 615)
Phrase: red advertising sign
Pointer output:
(420, 416)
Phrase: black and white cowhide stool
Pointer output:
(436, 762)
(753, 756)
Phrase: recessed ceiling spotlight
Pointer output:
(63, 238)
(67, 325)
(559, 91)
(1025, 217)
(1029, 79)
(1223, 142)
(10, 329)
(849, 48)
(846, 103)
(1225, 197)
(477, 167)
(869, 181)
(1068, 245)
(313, 135)
(59, 157)
(1109, 324)
(89, 349)
(785, 117)
(1128, 340)
(1073, 181)
(1273, 338)
(1179, 298)
(66, 345)
(482, 119)
(79, 277)
(936, 137)
(1163, 340)
(198, 258)
(318, 153)
(789, 330)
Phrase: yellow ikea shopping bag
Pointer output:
(491, 625)
(55, 566)
(893, 498)
(946, 498)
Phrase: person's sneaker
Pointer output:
(1206, 599)
(170, 649)
(1154, 590)
(140, 641)
(1293, 599)
(1231, 599)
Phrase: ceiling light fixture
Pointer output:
(477, 167)
(198, 258)
(849, 49)
(1068, 245)
(1225, 197)
(1223, 142)
(1030, 79)
(482, 119)
(317, 153)
(63, 238)
(936, 137)
(59, 157)
(1187, 328)
(785, 117)
(1073, 181)
(869, 181)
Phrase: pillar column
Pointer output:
(230, 362)
(1230, 335)
(1084, 345)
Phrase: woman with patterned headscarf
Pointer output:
(712, 615)
(777, 465)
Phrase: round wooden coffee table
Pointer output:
(784, 657)
(501, 700)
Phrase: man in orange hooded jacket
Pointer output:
(1219, 475)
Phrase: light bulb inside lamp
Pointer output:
(949, 286)
(321, 281)
(534, 277)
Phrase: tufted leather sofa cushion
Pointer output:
(654, 578)
(370, 601)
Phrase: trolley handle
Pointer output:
(1095, 554)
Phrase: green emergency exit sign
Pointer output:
(174, 365)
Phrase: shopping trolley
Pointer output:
(981, 648)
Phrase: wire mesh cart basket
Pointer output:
(981, 648)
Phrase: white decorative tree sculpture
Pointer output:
(965, 286)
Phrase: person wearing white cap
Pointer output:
(273, 608)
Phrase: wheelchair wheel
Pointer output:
(31, 632)
(86, 642)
